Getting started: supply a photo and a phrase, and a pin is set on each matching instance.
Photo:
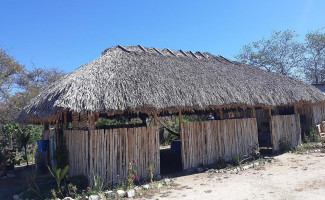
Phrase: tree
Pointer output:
(23, 140)
(314, 62)
(280, 53)
(9, 72)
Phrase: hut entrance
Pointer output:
(264, 133)
(170, 145)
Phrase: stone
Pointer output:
(245, 167)
(16, 197)
(68, 198)
(137, 188)
(109, 194)
(153, 186)
(167, 181)
(256, 164)
(130, 193)
(159, 185)
(120, 193)
(93, 197)
(146, 187)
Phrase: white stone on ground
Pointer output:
(93, 197)
(146, 187)
(120, 193)
(130, 193)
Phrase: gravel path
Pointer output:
(291, 176)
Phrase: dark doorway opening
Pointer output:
(264, 134)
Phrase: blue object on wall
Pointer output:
(42, 145)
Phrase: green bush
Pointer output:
(80, 181)
(284, 145)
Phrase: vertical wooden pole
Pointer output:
(253, 112)
(270, 116)
(221, 113)
(295, 109)
(180, 121)
(65, 120)
(91, 121)
(155, 117)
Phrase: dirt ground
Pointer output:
(291, 176)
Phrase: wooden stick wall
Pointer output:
(77, 146)
(318, 112)
(287, 126)
(111, 150)
(208, 141)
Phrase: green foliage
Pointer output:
(220, 164)
(80, 181)
(280, 53)
(101, 122)
(150, 171)
(236, 160)
(59, 174)
(61, 155)
(284, 145)
(314, 62)
(35, 132)
(96, 184)
(128, 181)
(23, 140)
(11, 131)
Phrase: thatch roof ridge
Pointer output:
(127, 78)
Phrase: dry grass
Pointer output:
(141, 79)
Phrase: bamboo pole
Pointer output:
(253, 112)
(65, 120)
(155, 116)
(180, 120)
(221, 113)
(295, 109)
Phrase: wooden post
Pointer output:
(295, 109)
(253, 112)
(180, 121)
(91, 121)
(221, 113)
(65, 120)
(46, 126)
(155, 117)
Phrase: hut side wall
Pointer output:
(77, 146)
(287, 126)
(318, 113)
(208, 141)
(110, 151)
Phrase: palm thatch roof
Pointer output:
(141, 79)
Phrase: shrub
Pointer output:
(236, 160)
(80, 181)
(284, 145)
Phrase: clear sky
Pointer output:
(67, 34)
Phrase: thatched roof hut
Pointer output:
(141, 79)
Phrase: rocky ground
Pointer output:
(290, 176)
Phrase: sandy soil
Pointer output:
(291, 176)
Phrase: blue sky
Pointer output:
(67, 34)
